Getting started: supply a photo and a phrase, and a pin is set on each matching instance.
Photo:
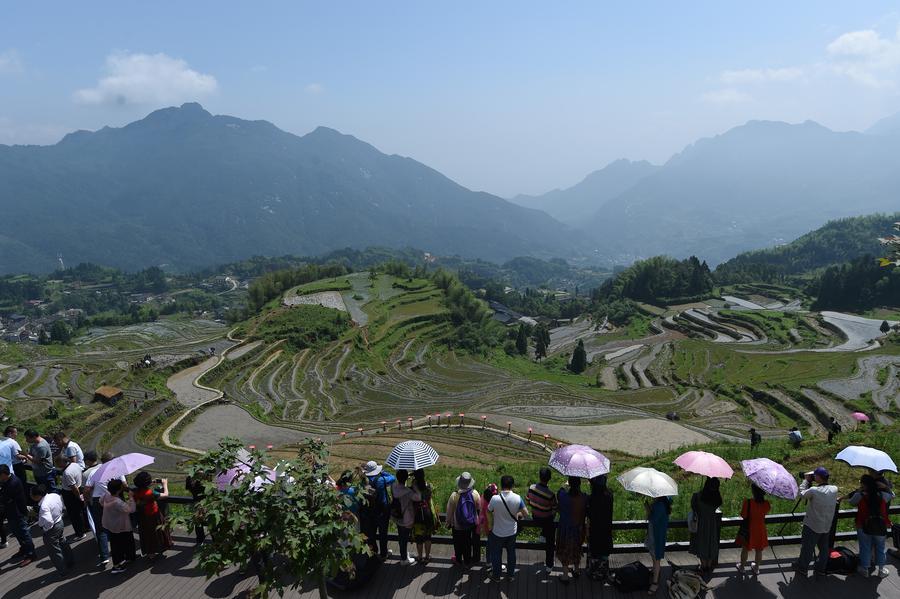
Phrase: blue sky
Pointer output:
(507, 97)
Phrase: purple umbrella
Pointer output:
(771, 477)
(120, 466)
(579, 460)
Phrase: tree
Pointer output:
(893, 243)
(885, 327)
(541, 341)
(60, 332)
(579, 358)
(298, 523)
(522, 340)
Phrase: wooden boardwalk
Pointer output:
(176, 577)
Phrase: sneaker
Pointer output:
(503, 568)
(864, 572)
(409, 561)
(740, 568)
(102, 562)
(77, 538)
(117, 570)
(883, 572)
(495, 578)
(26, 561)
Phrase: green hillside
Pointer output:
(837, 242)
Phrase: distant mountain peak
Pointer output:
(889, 125)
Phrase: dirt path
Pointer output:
(182, 384)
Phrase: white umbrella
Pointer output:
(859, 455)
(649, 482)
(412, 455)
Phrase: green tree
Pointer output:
(298, 521)
(885, 327)
(541, 341)
(60, 332)
(579, 358)
(522, 340)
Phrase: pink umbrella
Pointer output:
(579, 460)
(705, 463)
(859, 417)
(120, 466)
(771, 477)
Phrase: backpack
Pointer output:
(422, 513)
(466, 513)
(685, 584)
(842, 561)
(631, 577)
(874, 524)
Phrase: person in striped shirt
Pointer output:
(543, 504)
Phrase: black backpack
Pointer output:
(631, 577)
(842, 561)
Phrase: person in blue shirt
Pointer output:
(381, 482)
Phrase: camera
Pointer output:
(157, 481)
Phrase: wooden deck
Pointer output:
(177, 577)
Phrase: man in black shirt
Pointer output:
(12, 495)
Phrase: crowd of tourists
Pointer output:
(578, 516)
(64, 484)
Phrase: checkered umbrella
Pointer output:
(412, 455)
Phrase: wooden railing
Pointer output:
(641, 525)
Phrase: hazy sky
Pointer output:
(507, 97)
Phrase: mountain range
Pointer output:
(186, 188)
(757, 185)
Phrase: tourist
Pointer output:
(68, 449)
(821, 501)
(872, 524)
(348, 492)
(152, 528)
(50, 519)
(600, 516)
(755, 438)
(795, 437)
(425, 520)
(658, 512)
(504, 512)
(405, 517)
(71, 483)
(542, 502)
(18, 464)
(484, 525)
(381, 481)
(834, 429)
(12, 498)
(9, 449)
(571, 529)
(463, 511)
(117, 510)
(195, 486)
(94, 491)
(41, 459)
(370, 512)
(753, 534)
(705, 542)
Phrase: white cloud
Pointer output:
(10, 62)
(728, 95)
(314, 88)
(742, 76)
(147, 79)
(866, 57)
(259, 68)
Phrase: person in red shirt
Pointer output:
(872, 524)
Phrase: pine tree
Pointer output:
(885, 327)
(579, 358)
(522, 340)
(541, 338)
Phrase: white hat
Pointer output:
(372, 468)
(465, 481)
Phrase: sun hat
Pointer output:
(372, 468)
(821, 471)
(465, 481)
